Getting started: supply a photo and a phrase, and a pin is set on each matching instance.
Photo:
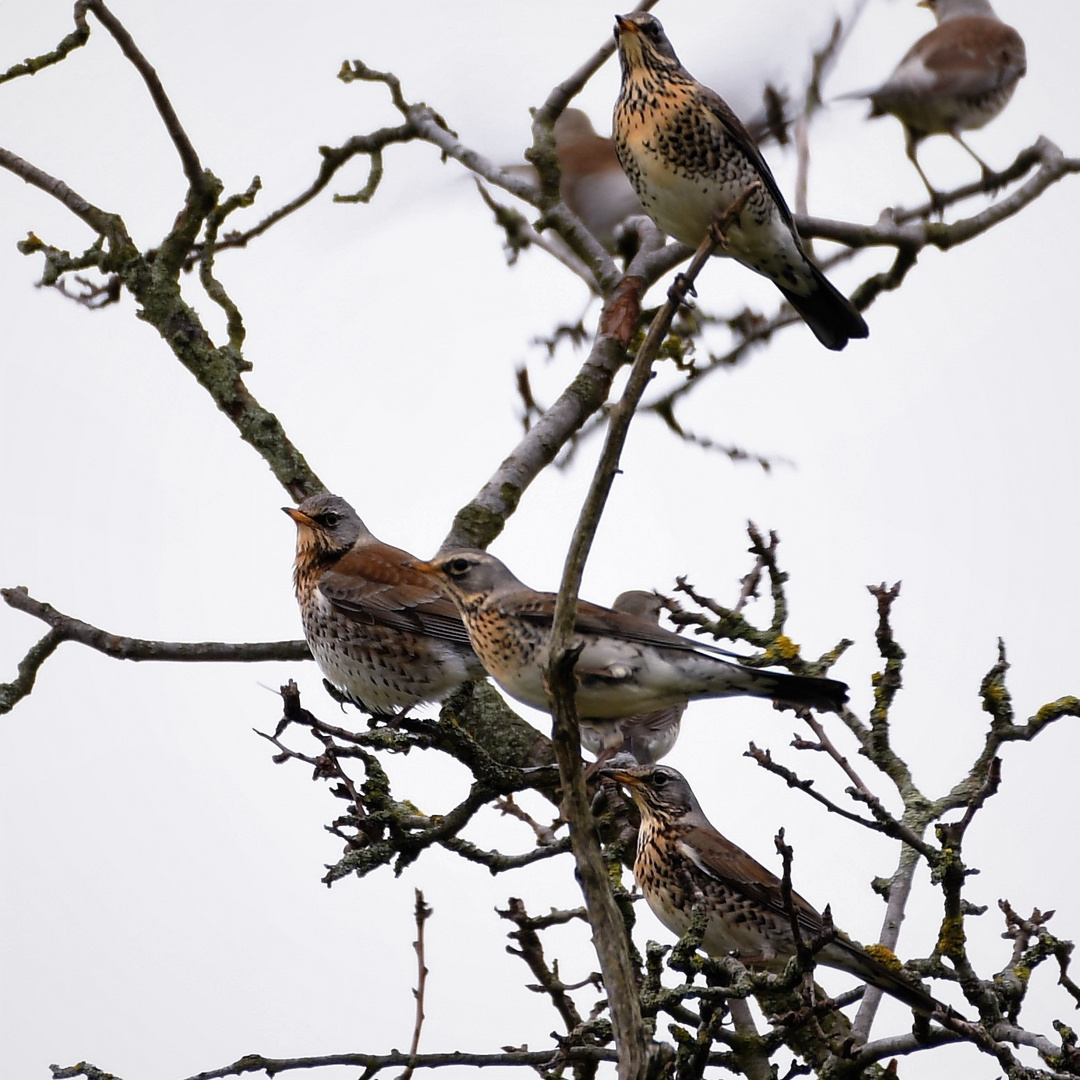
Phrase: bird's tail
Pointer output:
(827, 695)
(827, 311)
(849, 957)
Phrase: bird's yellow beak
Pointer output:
(423, 567)
(926, 4)
(625, 25)
(299, 517)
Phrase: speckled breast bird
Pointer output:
(690, 160)
(385, 636)
(682, 860)
(627, 664)
(956, 78)
(646, 736)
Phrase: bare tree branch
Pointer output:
(67, 628)
(76, 39)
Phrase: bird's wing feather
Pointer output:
(977, 59)
(717, 857)
(718, 108)
(733, 867)
(594, 619)
(381, 588)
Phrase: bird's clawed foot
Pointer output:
(391, 720)
(339, 696)
(992, 180)
(719, 224)
(937, 203)
(681, 289)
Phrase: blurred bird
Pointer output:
(682, 861)
(956, 78)
(385, 636)
(627, 665)
(592, 184)
(647, 736)
(691, 161)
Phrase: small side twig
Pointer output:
(826, 745)
(532, 952)
(422, 913)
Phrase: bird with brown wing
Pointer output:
(385, 636)
(955, 78)
(682, 861)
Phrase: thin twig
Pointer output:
(826, 744)
(193, 169)
(422, 913)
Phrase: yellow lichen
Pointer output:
(884, 956)
(783, 647)
(952, 938)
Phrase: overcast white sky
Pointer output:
(162, 911)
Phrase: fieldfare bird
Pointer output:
(646, 736)
(683, 861)
(592, 185)
(956, 78)
(695, 167)
(385, 636)
(627, 665)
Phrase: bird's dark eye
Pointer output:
(330, 518)
(458, 567)
(659, 779)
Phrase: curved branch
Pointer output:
(900, 230)
(65, 628)
(111, 226)
(76, 39)
(333, 158)
(189, 159)
(13, 692)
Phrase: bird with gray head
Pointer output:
(695, 166)
(682, 860)
(626, 665)
(385, 636)
(956, 78)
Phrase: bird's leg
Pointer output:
(989, 176)
(391, 720)
(726, 216)
(590, 769)
(937, 203)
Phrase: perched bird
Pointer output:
(592, 184)
(385, 636)
(690, 160)
(956, 78)
(682, 860)
(647, 736)
(627, 664)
